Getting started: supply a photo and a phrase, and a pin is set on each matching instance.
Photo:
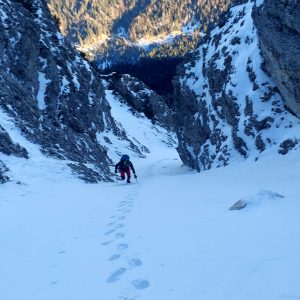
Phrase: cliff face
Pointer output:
(278, 26)
(228, 108)
(141, 99)
(50, 93)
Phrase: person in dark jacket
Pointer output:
(124, 166)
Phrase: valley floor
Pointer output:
(170, 236)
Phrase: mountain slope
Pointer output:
(230, 109)
(119, 31)
(49, 95)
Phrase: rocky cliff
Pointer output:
(278, 25)
(228, 108)
(141, 99)
(50, 93)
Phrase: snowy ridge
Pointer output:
(239, 112)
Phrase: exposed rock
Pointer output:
(287, 146)
(3, 169)
(256, 200)
(278, 25)
(238, 205)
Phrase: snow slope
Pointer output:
(170, 236)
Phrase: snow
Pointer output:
(65, 86)
(259, 3)
(169, 236)
(3, 16)
(43, 82)
(74, 78)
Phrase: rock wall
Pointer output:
(228, 109)
(52, 94)
(278, 26)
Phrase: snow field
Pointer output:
(170, 236)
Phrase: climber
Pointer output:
(124, 166)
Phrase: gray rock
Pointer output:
(238, 205)
(278, 25)
(287, 146)
(8, 147)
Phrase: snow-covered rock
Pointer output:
(262, 197)
(141, 98)
(228, 108)
(52, 95)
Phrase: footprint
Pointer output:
(114, 257)
(115, 276)
(135, 262)
(140, 284)
(61, 252)
(106, 243)
(119, 235)
(119, 226)
(110, 232)
(121, 218)
(122, 246)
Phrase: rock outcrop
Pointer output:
(278, 26)
(228, 108)
(141, 98)
(3, 173)
(53, 95)
(8, 147)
